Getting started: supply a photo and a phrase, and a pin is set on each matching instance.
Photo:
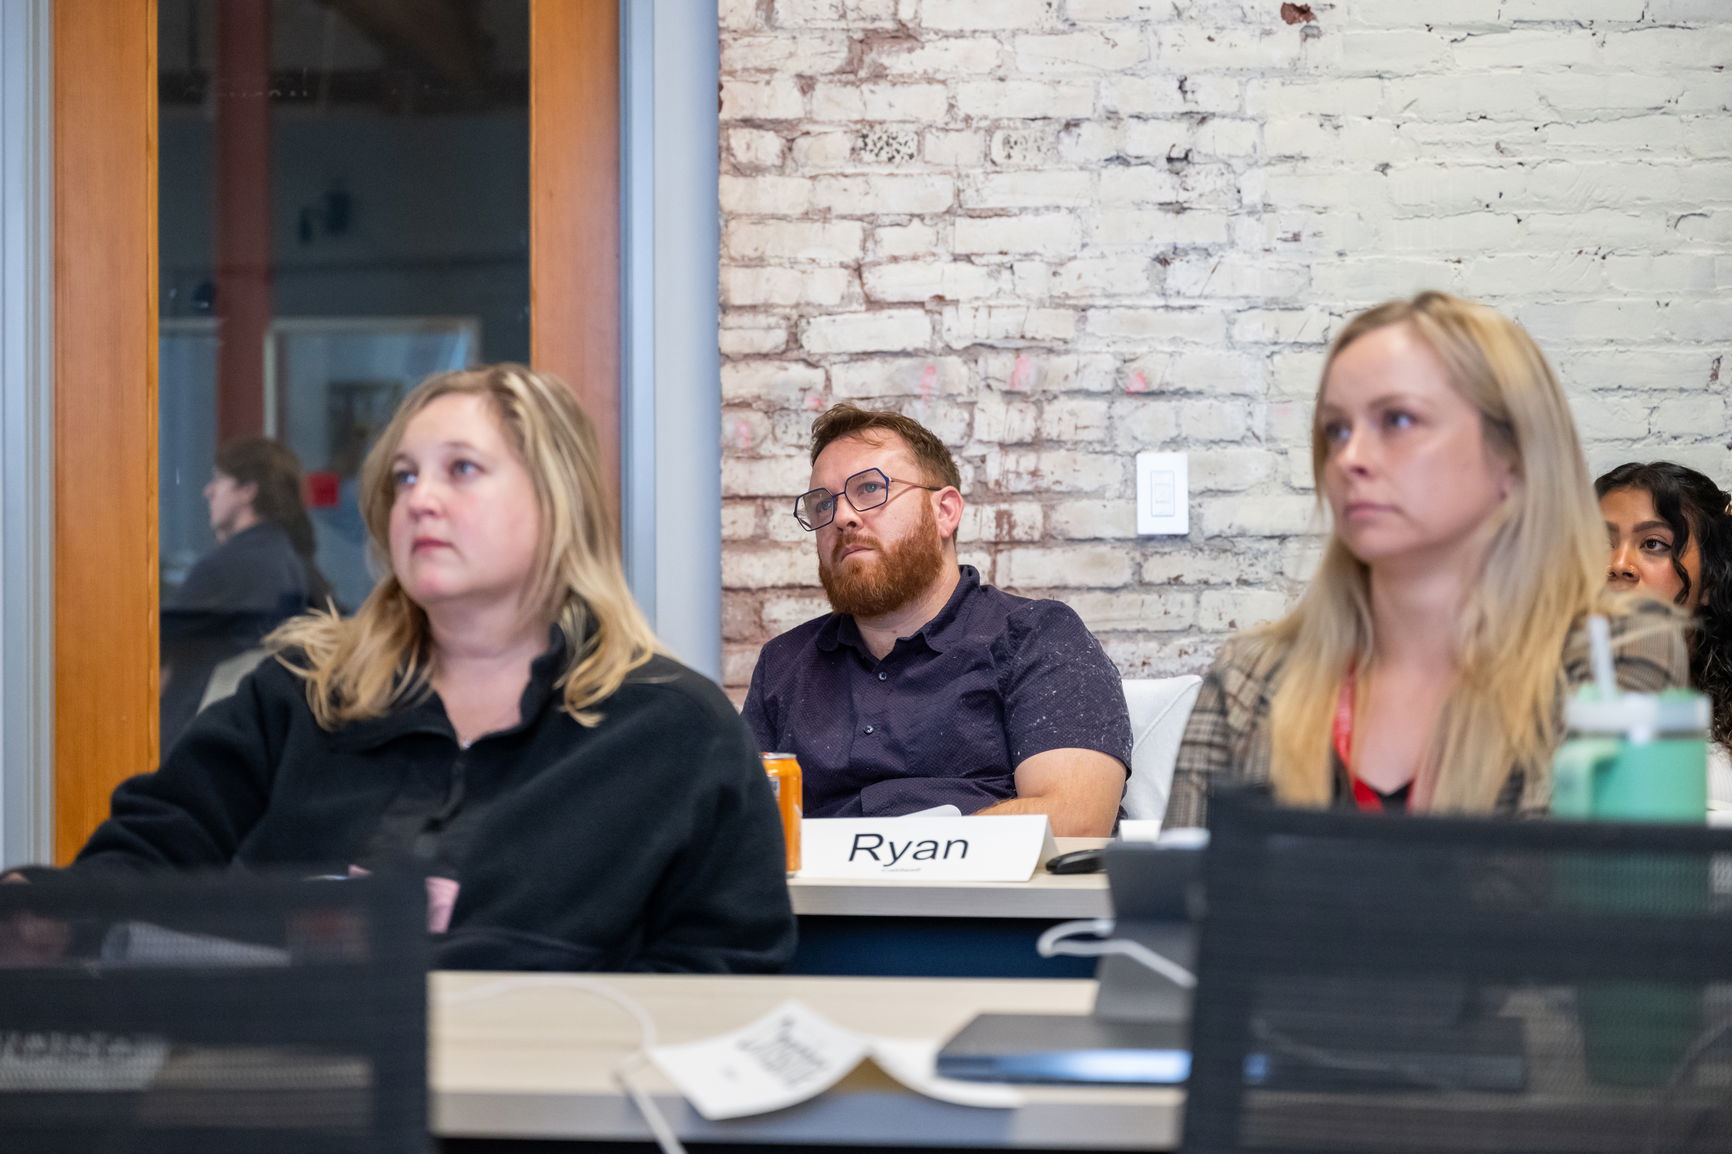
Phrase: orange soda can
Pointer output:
(784, 771)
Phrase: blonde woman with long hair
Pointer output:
(497, 714)
(1425, 666)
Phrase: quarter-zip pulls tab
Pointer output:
(427, 841)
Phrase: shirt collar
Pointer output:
(428, 715)
(258, 531)
(841, 629)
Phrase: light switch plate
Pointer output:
(1163, 493)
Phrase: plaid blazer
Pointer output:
(1227, 738)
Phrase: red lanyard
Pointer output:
(1364, 796)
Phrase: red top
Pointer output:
(1364, 796)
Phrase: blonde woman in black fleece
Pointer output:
(496, 714)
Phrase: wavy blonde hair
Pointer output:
(382, 657)
(1545, 566)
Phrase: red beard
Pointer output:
(900, 572)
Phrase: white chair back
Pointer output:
(226, 677)
(1159, 709)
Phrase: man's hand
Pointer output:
(1078, 790)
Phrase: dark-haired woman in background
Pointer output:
(260, 574)
(1672, 537)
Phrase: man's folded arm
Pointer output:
(1078, 790)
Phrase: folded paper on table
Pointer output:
(793, 1054)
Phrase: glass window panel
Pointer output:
(337, 383)
(322, 249)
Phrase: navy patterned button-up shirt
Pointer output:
(947, 715)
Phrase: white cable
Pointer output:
(1051, 943)
(1048, 943)
(663, 1133)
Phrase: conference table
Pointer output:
(534, 1059)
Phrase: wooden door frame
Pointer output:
(105, 315)
(574, 207)
(105, 345)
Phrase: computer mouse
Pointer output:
(1077, 861)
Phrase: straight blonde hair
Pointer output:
(381, 658)
(1545, 567)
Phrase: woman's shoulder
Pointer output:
(1649, 647)
(278, 686)
(677, 719)
(264, 549)
(266, 706)
(1233, 705)
(665, 685)
(1248, 665)
(1635, 621)
(275, 676)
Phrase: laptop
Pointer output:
(1139, 1031)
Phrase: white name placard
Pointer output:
(975, 849)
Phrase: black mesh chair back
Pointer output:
(224, 1014)
(1440, 985)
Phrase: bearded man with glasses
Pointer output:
(925, 687)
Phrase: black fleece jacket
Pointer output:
(648, 842)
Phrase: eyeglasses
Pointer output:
(865, 490)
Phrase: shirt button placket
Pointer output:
(883, 677)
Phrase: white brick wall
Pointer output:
(1060, 231)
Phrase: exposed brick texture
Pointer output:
(1061, 231)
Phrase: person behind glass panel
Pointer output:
(926, 687)
(1424, 666)
(1671, 537)
(496, 714)
(260, 574)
